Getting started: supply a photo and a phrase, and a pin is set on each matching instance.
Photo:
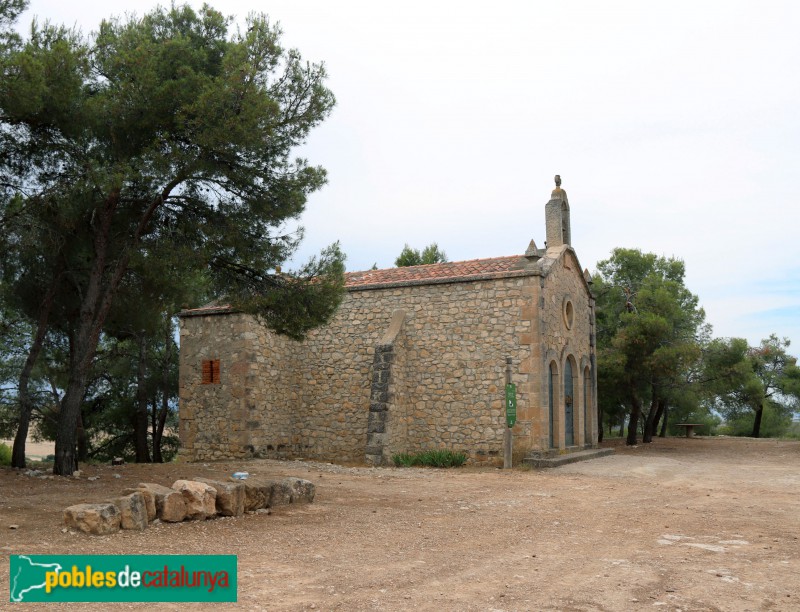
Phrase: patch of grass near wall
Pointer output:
(431, 458)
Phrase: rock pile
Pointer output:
(197, 499)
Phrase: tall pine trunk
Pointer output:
(158, 425)
(94, 308)
(96, 302)
(82, 350)
(659, 414)
(82, 440)
(651, 422)
(633, 423)
(757, 421)
(25, 403)
(665, 422)
(140, 434)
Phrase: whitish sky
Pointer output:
(674, 126)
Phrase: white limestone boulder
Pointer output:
(281, 494)
(302, 491)
(200, 498)
(133, 511)
(230, 496)
(96, 519)
(149, 501)
(170, 504)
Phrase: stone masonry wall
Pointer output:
(278, 397)
(448, 380)
(252, 399)
(273, 400)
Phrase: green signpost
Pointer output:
(511, 404)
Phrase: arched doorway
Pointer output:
(551, 378)
(569, 402)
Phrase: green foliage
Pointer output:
(5, 454)
(294, 305)
(109, 410)
(9, 11)
(776, 422)
(793, 432)
(404, 460)
(159, 147)
(655, 349)
(649, 330)
(430, 458)
(182, 134)
(757, 387)
(413, 257)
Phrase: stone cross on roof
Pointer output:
(558, 192)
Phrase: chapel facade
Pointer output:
(414, 359)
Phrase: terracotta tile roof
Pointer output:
(456, 271)
(452, 272)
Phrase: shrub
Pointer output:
(775, 423)
(431, 458)
(5, 454)
(404, 460)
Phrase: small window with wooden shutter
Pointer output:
(211, 371)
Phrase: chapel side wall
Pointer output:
(272, 396)
(451, 368)
(246, 413)
(563, 281)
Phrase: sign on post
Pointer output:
(511, 404)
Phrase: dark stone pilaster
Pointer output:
(379, 403)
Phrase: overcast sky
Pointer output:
(675, 127)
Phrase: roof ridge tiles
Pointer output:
(451, 271)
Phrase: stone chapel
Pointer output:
(414, 359)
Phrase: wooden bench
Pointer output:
(690, 428)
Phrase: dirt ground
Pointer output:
(680, 524)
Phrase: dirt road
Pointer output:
(681, 524)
